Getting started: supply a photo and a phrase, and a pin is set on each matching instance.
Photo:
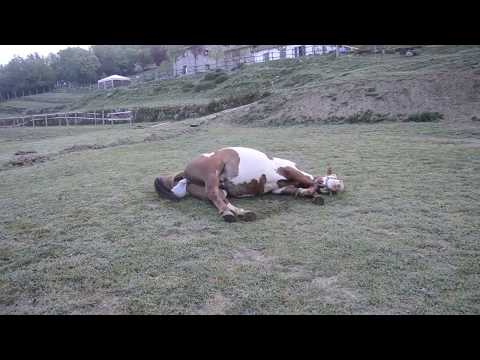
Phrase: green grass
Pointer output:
(85, 232)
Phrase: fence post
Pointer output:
(33, 121)
(46, 120)
(103, 117)
(66, 120)
(95, 117)
(75, 120)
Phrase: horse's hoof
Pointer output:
(248, 216)
(229, 217)
(318, 200)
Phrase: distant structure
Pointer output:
(263, 53)
(197, 58)
(267, 53)
(113, 81)
(194, 59)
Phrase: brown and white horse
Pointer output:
(241, 172)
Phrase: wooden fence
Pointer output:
(68, 119)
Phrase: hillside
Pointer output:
(442, 79)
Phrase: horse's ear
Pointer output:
(329, 170)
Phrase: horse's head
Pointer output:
(330, 183)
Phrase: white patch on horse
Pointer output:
(253, 164)
(180, 190)
(208, 154)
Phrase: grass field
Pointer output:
(85, 232)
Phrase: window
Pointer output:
(184, 69)
(266, 56)
(205, 52)
(300, 51)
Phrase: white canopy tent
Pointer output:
(112, 81)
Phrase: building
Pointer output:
(235, 55)
(249, 54)
(194, 59)
(113, 81)
(267, 53)
(200, 58)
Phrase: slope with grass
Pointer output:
(442, 79)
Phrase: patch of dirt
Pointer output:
(216, 305)
(100, 305)
(330, 291)
(25, 152)
(295, 273)
(76, 148)
(465, 142)
(165, 135)
(27, 160)
(245, 256)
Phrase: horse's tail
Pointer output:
(171, 187)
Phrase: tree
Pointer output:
(158, 53)
(77, 65)
(116, 59)
(23, 76)
(144, 57)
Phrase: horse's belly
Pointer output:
(254, 187)
(256, 174)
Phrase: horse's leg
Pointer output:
(302, 180)
(200, 192)
(310, 192)
(217, 197)
(202, 171)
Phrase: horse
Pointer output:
(236, 172)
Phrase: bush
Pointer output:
(424, 117)
(188, 86)
(220, 79)
(214, 106)
(204, 85)
(214, 75)
(238, 67)
(172, 113)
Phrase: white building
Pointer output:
(294, 51)
(113, 81)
